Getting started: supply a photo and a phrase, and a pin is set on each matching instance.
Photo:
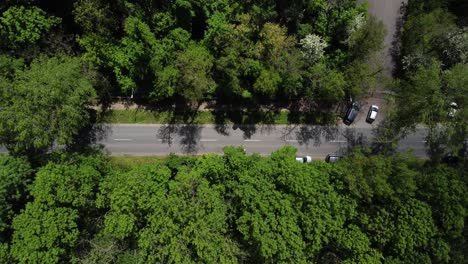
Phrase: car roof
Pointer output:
(352, 114)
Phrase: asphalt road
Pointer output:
(316, 141)
(389, 11)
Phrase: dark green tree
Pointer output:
(45, 103)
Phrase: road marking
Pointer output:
(252, 140)
(291, 140)
(208, 140)
(123, 139)
(338, 141)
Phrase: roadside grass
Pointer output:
(127, 162)
(133, 116)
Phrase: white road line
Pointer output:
(252, 140)
(123, 139)
(292, 140)
(338, 141)
(208, 140)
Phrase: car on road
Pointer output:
(305, 159)
(352, 113)
(372, 114)
(332, 158)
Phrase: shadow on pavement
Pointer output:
(308, 134)
(183, 125)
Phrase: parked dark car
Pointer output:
(351, 114)
(332, 158)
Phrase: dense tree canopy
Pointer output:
(198, 50)
(236, 208)
(44, 104)
(64, 207)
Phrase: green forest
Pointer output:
(233, 208)
(60, 60)
(231, 51)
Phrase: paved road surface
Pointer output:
(316, 141)
(389, 12)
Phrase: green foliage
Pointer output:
(193, 79)
(413, 227)
(94, 16)
(327, 86)
(14, 178)
(420, 98)
(9, 66)
(127, 196)
(267, 83)
(217, 49)
(236, 208)
(367, 38)
(187, 223)
(44, 235)
(434, 76)
(421, 31)
(20, 26)
(44, 103)
(445, 191)
(66, 185)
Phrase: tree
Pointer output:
(455, 47)
(364, 40)
(267, 83)
(423, 30)
(274, 41)
(73, 186)
(9, 66)
(442, 187)
(127, 197)
(313, 47)
(194, 79)
(188, 223)
(420, 99)
(21, 26)
(45, 235)
(14, 180)
(45, 103)
(456, 83)
(95, 16)
(326, 86)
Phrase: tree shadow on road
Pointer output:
(248, 120)
(308, 134)
(182, 124)
(89, 136)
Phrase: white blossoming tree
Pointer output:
(313, 47)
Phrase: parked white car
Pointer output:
(305, 159)
(372, 114)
